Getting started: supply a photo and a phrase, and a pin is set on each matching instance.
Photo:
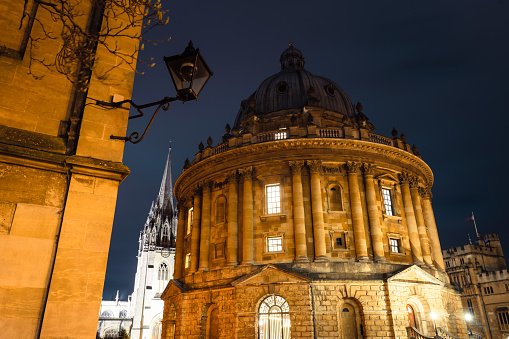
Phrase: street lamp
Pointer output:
(433, 316)
(468, 319)
(189, 73)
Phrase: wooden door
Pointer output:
(349, 322)
(214, 324)
(411, 316)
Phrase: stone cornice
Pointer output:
(303, 149)
(40, 159)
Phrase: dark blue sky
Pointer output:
(436, 70)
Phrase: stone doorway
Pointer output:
(411, 316)
(349, 322)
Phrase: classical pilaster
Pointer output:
(413, 232)
(233, 226)
(205, 226)
(359, 231)
(419, 218)
(317, 210)
(429, 219)
(298, 212)
(179, 248)
(373, 214)
(247, 217)
(195, 232)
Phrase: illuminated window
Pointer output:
(274, 244)
(188, 260)
(274, 318)
(110, 333)
(189, 225)
(387, 201)
(280, 135)
(273, 197)
(395, 245)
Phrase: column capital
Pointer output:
(368, 169)
(296, 166)
(413, 181)
(314, 165)
(181, 203)
(425, 192)
(246, 172)
(206, 185)
(404, 178)
(196, 190)
(232, 175)
(352, 167)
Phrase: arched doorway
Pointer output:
(350, 320)
(214, 324)
(411, 316)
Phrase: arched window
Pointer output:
(156, 330)
(220, 210)
(123, 314)
(110, 333)
(164, 236)
(107, 314)
(162, 276)
(335, 201)
(274, 318)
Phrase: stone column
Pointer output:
(317, 210)
(419, 218)
(179, 247)
(247, 217)
(233, 226)
(205, 226)
(359, 231)
(373, 214)
(195, 232)
(413, 233)
(298, 212)
(429, 219)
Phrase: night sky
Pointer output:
(436, 70)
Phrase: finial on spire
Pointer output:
(291, 43)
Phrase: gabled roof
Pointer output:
(270, 274)
(174, 287)
(415, 274)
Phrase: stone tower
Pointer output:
(303, 222)
(156, 256)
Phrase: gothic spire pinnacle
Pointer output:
(166, 191)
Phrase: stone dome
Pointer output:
(293, 88)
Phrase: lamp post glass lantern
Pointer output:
(433, 316)
(189, 72)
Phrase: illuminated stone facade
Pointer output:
(302, 207)
(479, 271)
(59, 177)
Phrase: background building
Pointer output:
(114, 317)
(303, 222)
(155, 267)
(60, 172)
(479, 271)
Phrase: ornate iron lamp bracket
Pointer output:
(135, 138)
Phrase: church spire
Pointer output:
(165, 196)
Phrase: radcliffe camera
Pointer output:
(253, 170)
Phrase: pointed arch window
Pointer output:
(274, 318)
(165, 231)
(162, 276)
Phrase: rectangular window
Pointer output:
(339, 242)
(280, 135)
(488, 290)
(507, 287)
(395, 246)
(273, 197)
(188, 260)
(503, 319)
(387, 201)
(189, 225)
(470, 306)
(274, 244)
